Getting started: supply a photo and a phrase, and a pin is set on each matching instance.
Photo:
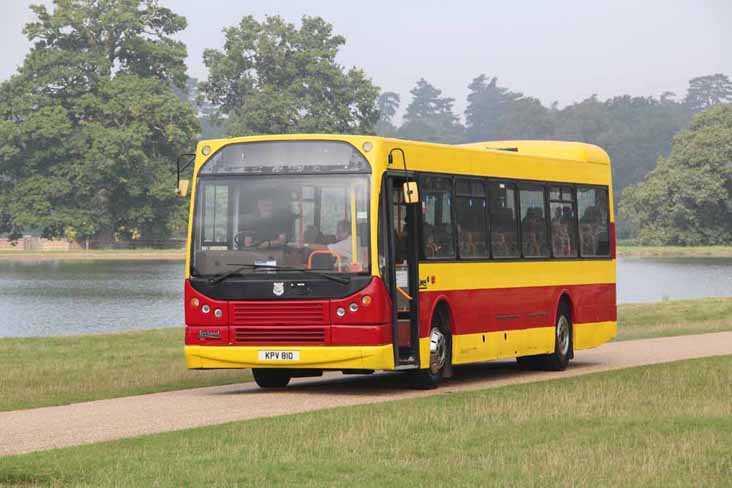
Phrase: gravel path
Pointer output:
(82, 423)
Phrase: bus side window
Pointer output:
(470, 215)
(592, 206)
(502, 208)
(534, 239)
(563, 221)
(436, 194)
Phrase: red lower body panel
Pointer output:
(491, 310)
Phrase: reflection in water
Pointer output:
(657, 279)
(79, 297)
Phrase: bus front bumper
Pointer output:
(310, 357)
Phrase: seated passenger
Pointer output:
(312, 235)
(344, 242)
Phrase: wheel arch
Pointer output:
(441, 304)
(564, 296)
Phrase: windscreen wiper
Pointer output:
(241, 267)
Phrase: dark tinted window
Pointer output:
(592, 206)
(501, 204)
(276, 157)
(563, 222)
(471, 218)
(216, 213)
(437, 216)
(534, 241)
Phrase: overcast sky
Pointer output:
(560, 50)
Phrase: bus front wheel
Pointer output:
(271, 378)
(439, 356)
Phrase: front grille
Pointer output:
(279, 335)
(279, 313)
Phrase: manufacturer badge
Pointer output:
(278, 289)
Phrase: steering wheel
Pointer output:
(338, 260)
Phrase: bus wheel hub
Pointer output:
(438, 351)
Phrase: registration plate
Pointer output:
(279, 355)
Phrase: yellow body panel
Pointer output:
(514, 274)
(467, 348)
(470, 348)
(587, 336)
(311, 357)
(569, 162)
(486, 346)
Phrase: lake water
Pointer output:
(79, 297)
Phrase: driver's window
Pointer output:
(216, 213)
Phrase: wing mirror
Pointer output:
(411, 192)
(182, 190)
(181, 187)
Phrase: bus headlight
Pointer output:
(340, 311)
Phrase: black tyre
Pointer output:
(440, 356)
(271, 378)
(559, 359)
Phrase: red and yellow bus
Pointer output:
(310, 253)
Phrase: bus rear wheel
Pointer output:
(559, 359)
(429, 378)
(271, 378)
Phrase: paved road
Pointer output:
(82, 423)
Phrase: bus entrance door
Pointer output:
(403, 263)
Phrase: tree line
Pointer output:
(92, 121)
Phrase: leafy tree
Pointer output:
(634, 131)
(274, 78)
(90, 124)
(208, 116)
(488, 103)
(430, 116)
(387, 105)
(707, 91)
(687, 199)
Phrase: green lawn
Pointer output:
(677, 317)
(44, 371)
(664, 425)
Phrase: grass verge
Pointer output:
(664, 425)
(671, 318)
(44, 371)
(675, 251)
